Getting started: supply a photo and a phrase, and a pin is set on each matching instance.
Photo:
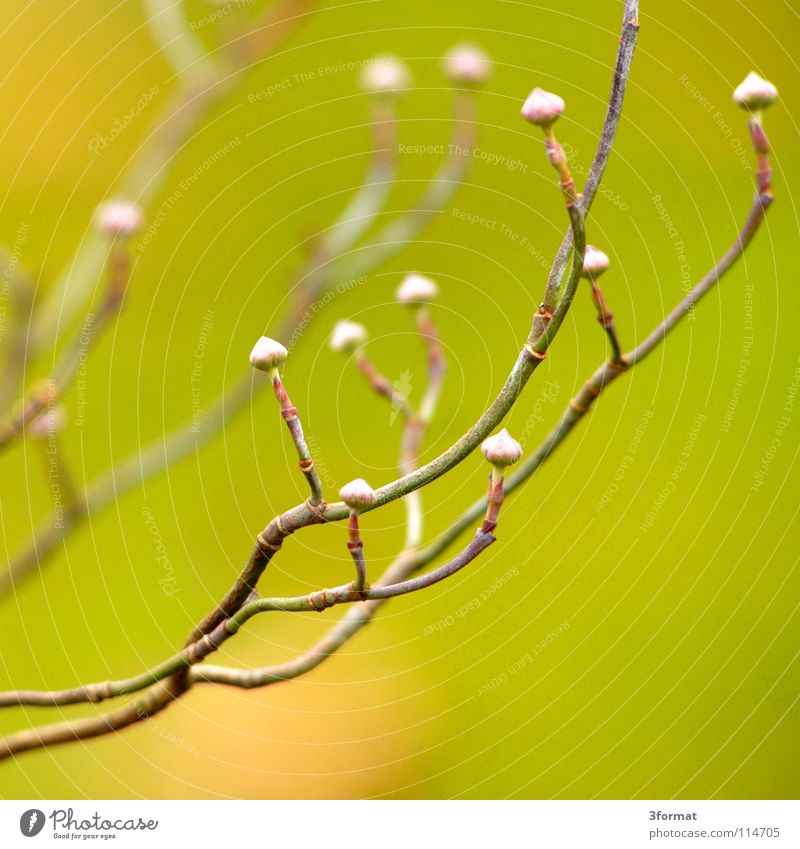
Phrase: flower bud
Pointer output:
(468, 64)
(755, 93)
(501, 449)
(119, 218)
(384, 74)
(595, 262)
(48, 423)
(268, 354)
(542, 107)
(357, 494)
(415, 288)
(347, 336)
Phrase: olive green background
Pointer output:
(635, 630)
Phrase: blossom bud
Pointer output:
(268, 354)
(501, 449)
(595, 262)
(357, 494)
(466, 63)
(542, 107)
(48, 423)
(119, 218)
(384, 74)
(416, 288)
(755, 93)
(347, 336)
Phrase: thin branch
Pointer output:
(184, 440)
(236, 607)
(48, 391)
(198, 650)
(409, 562)
(627, 44)
(606, 319)
(147, 171)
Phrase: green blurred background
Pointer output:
(636, 634)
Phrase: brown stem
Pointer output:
(295, 427)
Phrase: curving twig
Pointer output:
(238, 605)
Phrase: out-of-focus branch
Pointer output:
(195, 95)
(240, 602)
(48, 391)
(185, 439)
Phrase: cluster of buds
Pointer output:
(464, 64)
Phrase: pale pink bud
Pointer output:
(595, 262)
(501, 449)
(119, 218)
(466, 63)
(347, 336)
(385, 74)
(48, 423)
(415, 288)
(755, 93)
(357, 494)
(542, 107)
(268, 354)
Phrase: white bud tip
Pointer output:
(48, 423)
(357, 494)
(755, 92)
(347, 336)
(268, 354)
(466, 63)
(384, 74)
(501, 449)
(119, 218)
(415, 288)
(595, 262)
(542, 107)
